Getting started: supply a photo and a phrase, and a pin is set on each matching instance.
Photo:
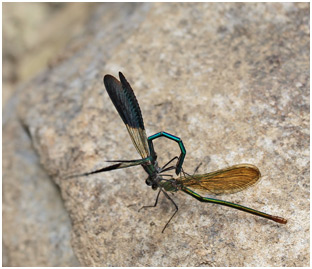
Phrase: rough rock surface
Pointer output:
(35, 228)
(232, 80)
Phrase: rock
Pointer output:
(36, 228)
(232, 80)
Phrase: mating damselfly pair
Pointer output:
(229, 180)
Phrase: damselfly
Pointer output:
(229, 180)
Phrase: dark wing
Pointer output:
(119, 165)
(229, 180)
(124, 100)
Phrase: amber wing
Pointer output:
(229, 180)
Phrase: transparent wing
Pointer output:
(229, 180)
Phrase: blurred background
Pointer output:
(33, 34)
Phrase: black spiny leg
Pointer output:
(147, 206)
(169, 198)
(176, 157)
(177, 208)
(196, 169)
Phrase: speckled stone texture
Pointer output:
(35, 225)
(232, 80)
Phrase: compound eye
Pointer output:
(148, 182)
(154, 186)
